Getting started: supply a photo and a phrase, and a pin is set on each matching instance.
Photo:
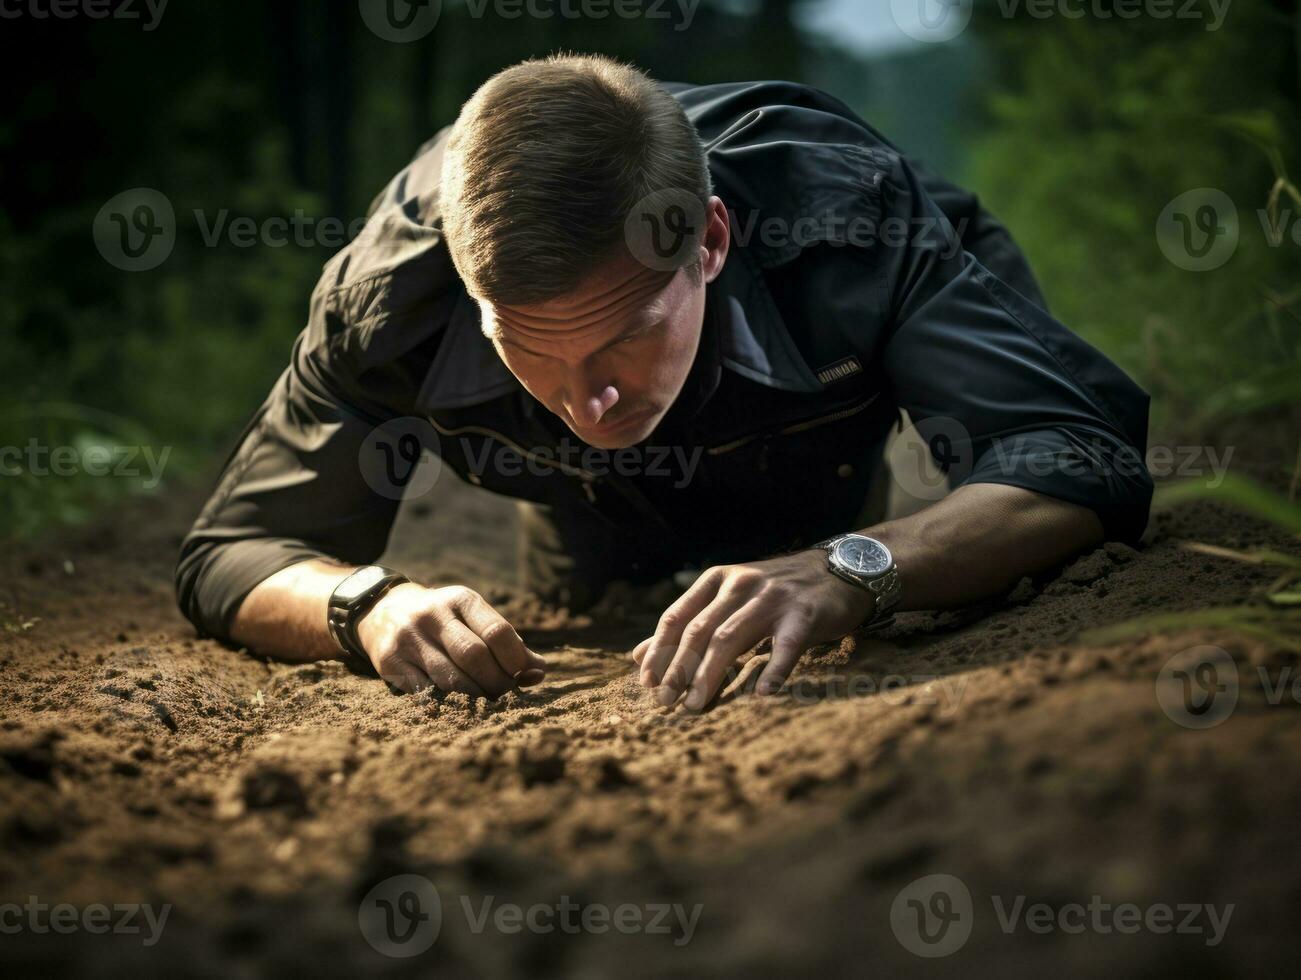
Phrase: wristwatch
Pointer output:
(867, 563)
(352, 599)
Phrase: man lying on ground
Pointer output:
(678, 323)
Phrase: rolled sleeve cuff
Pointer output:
(213, 579)
(1087, 467)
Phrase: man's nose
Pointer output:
(590, 404)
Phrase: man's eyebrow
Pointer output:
(628, 332)
(493, 331)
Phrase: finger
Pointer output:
(639, 651)
(674, 620)
(405, 676)
(445, 675)
(507, 647)
(668, 632)
(466, 649)
(788, 644)
(738, 633)
(695, 643)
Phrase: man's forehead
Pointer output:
(603, 302)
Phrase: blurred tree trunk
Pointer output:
(775, 35)
(315, 86)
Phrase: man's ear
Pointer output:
(717, 240)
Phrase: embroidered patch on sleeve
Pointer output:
(840, 369)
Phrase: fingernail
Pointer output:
(696, 699)
(648, 678)
(667, 695)
(529, 676)
(768, 687)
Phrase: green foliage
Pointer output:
(1100, 124)
(181, 354)
(1240, 492)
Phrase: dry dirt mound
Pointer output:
(998, 746)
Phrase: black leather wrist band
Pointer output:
(352, 598)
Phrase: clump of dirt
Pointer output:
(994, 744)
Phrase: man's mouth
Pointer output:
(624, 422)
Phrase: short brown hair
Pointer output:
(545, 162)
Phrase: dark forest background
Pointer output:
(1077, 132)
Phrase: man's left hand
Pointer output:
(794, 598)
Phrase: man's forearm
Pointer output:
(285, 616)
(980, 539)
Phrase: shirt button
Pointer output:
(844, 470)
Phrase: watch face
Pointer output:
(862, 555)
(356, 584)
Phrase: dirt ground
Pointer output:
(1008, 746)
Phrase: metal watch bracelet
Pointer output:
(886, 588)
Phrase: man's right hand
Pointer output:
(416, 637)
(449, 638)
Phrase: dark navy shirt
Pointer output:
(885, 288)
